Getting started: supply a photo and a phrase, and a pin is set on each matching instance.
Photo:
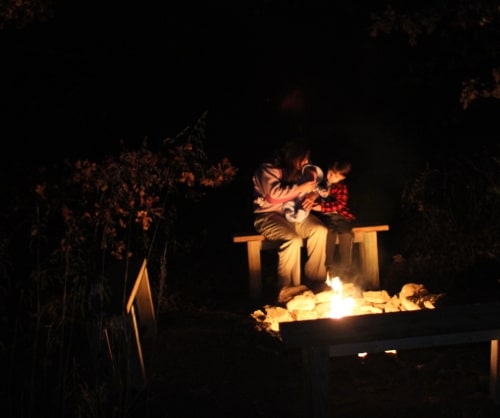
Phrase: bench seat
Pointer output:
(365, 236)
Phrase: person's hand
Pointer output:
(309, 200)
(307, 187)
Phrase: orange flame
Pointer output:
(339, 306)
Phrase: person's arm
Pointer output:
(337, 199)
(268, 183)
(270, 191)
(309, 201)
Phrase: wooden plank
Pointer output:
(494, 372)
(135, 288)
(358, 234)
(140, 309)
(137, 371)
(246, 238)
(411, 343)
(395, 325)
(370, 228)
(254, 269)
(368, 251)
(141, 297)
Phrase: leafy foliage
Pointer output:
(449, 209)
(21, 13)
(88, 218)
(466, 30)
(450, 218)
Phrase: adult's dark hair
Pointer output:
(288, 156)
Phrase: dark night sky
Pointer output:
(91, 80)
(78, 85)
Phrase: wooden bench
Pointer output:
(365, 236)
(324, 338)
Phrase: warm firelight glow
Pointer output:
(339, 306)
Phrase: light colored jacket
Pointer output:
(293, 209)
(270, 192)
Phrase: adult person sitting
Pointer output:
(275, 183)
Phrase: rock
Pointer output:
(376, 296)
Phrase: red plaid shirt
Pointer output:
(336, 201)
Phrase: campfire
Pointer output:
(343, 299)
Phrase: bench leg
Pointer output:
(316, 368)
(494, 371)
(368, 252)
(254, 269)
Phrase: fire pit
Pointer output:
(343, 299)
(312, 323)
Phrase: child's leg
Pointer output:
(345, 250)
(331, 243)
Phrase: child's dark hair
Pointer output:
(341, 166)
